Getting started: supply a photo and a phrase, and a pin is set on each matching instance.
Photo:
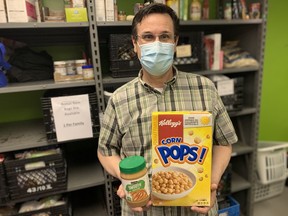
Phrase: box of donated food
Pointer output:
(21, 11)
(181, 158)
(76, 14)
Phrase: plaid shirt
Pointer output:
(126, 126)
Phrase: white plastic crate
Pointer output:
(271, 161)
(262, 192)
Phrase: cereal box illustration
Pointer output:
(181, 158)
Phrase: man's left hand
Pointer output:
(205, 209)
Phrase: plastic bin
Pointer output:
(233, 208)
(61, 210)
(36, 176)
(4, 195)
(271, 161)
(123, 60)
(196, 61)
(262, 192)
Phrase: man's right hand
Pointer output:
(122, 195)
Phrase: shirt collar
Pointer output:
(170, 82)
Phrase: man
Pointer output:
(126, 126)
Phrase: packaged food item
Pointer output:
(88, 72)
(135, 180)
(255, 10)
(181, 158)
(60, 67)
(228, 11)
(70, 67)
(121, 16)
(205, 9)
(79, 63)
(195, 10)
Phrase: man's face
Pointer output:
(152, 28)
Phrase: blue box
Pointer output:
(232, 210)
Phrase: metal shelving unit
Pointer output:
(21, 135)
(89, 174)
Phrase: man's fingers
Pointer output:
(121, 192)
(201, 210)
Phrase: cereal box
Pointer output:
(181, 158)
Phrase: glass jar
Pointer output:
(195, 10)
(60, 67)
(228, 11)
(70, 67)
(121, 16)
(135, 180)
(78, 64)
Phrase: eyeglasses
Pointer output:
(149, 38)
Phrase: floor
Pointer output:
(277, 205)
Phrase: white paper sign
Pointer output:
(72, 117)
(183, 51)
(225, 87)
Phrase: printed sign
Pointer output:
(72, 117)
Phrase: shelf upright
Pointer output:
(94, 43)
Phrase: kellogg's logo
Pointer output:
(169, 122)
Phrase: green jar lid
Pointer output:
(132, 164)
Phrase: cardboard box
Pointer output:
(181, 158)
(63, 78)
(100, 10)
(3, 17)
(78, 3)
(109, 6)
(76, 15)
(21, 10)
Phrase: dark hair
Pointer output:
(154, 8)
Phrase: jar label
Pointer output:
(88, 73)
(137, 189)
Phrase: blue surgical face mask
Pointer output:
(157, 57)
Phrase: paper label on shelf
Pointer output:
(183, 51)
(72, 117)
(225, 87)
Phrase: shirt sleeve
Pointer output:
(108, 143)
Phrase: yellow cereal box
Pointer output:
(181, 158)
